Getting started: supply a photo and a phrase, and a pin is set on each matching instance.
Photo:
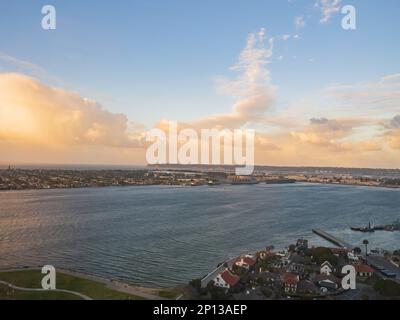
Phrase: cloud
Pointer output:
(299, 22)
(328, 8)
(284, 37)
(33, 113)
(372, 145)
(395, 122)
(252, 89)
(372, 98)
(21, 66)
(328, 133)
(392, 132)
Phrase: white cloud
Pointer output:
(284, 37)
(328, 8)
(252, 89)
(299, 22)
(17, 65)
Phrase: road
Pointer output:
(380, 262)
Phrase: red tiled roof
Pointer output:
(246, 260)
(249, 261)
(363, 268)
(230, 278)
(290, 278)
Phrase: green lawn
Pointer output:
(33, 278)
(387, 288)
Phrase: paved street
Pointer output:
(380, 262)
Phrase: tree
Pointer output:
(366, 243)
(216, 293)
(196, 283)
(321, 254)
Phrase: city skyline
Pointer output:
(87, 92)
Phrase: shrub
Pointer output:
(196, 283)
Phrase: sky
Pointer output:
(86, 92)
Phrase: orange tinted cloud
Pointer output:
(39, 123)
(51, 123)
(35, 113)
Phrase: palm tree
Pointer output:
(366, 243)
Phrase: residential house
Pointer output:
(226, 280)
(297, 268)
(364, 271)
(246, 262)
(290, 282)
(326, 268)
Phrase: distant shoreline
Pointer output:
(186, 186)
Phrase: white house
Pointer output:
(364, 270)
(326, 268)
(245, 262)
(226, 279)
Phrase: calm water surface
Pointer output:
(162, 236)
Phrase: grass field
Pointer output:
(11, 294)
(33, 278)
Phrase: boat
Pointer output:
(395, 226)
(366, 229)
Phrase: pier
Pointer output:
(336, 241)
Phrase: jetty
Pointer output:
(336, 241)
